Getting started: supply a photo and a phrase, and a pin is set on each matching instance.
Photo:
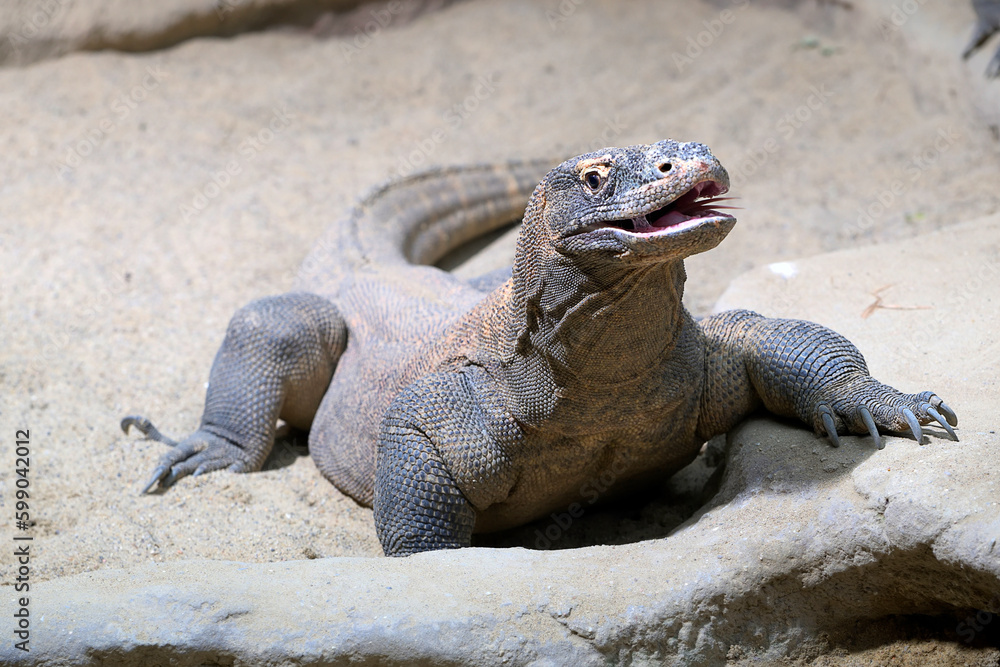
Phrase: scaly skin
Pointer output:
(452, 409)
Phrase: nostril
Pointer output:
(664, 167)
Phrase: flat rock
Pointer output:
(801, 542)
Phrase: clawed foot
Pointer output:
(199, 453)
(871, 407)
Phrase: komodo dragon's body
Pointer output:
(452, 408)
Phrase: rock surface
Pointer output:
(34, 31)
(801, 542)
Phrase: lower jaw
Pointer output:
(676, 228)
(688, 238)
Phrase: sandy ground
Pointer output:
(839, 128)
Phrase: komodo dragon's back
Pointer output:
(407, 224)
(451, 409)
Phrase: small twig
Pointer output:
(886, 306)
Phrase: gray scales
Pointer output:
(455, 407)
(987, 23)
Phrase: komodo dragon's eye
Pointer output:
(594, 180)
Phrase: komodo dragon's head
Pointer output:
(641, 204)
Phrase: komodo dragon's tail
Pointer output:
(421, 218)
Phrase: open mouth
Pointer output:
(696, 204)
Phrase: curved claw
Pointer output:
(911, 421)
(948, 412)
(866, 417)
(172, 478)
(940, 420)
(831, 428)
(158, 475)
(147, 429)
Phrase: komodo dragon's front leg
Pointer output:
(803, 370)
(276, 361)
(445, 450)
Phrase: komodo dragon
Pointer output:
(454, 409)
